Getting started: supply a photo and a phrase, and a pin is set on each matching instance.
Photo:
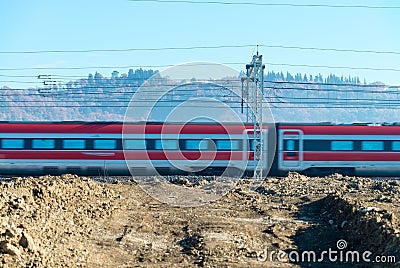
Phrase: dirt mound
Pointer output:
(72, 221)
(40, 215)
(367, 227)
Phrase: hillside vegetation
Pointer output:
(292, 98)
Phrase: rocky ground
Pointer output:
(69, 221)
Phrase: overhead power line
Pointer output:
(201, 47)
(125, 49)
(115, 67)
(333, 67)
(333, 49)
(196, 63)
(345, 106)
(60, 79)
(330, 84)
(265, 4)
(132, 87)
(320, 90)
(281, 99)
(83, 68)
(169, 83)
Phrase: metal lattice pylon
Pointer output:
(254, 91)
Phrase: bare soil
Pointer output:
(71, 221)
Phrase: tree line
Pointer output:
(304, 78)
(139, 76)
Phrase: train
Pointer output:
(120, 149)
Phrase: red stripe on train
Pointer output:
(113, 128)
(291, 156)
(290, 133)
(119, 155)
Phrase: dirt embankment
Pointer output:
(71, 221)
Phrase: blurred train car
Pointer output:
(98, 148)
(356, 149)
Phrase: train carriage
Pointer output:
(98, 148)
(359, 149)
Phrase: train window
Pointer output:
(233, 145)
(251, 142)
(134, 144)
(74, 144)
(196, 144)
(316, 145)
(43, 144)
(342, 145)
(12, 143)
(395, 145)
(165, 144)
(290, 145)
(105, 144)
(372, 145)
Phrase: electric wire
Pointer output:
(142, 49)
(197, 64)
(126, 49)
(333, 49)
(229, 80)
(297, 106)
(265, 4)
(334, 67)
(231, 84)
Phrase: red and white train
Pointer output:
(96, 148)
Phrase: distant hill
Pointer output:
(293, 98)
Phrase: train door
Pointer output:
(290, 149)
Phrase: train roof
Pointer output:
(341, 124)
(120, 127)
(202, 123)
(120, 122)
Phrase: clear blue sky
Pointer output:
(32, 25)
